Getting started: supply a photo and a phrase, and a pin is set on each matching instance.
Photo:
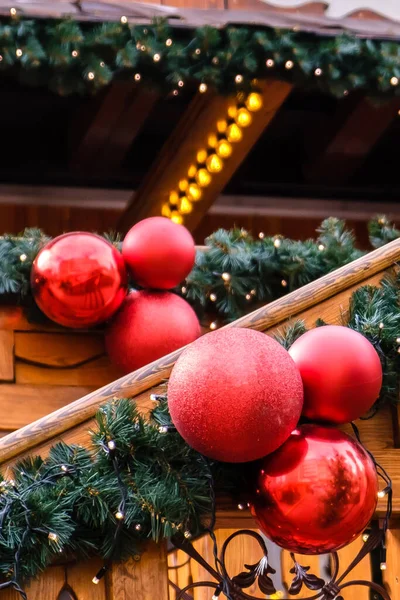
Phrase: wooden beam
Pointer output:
(347, 144)
(110, 126)
(180, 151)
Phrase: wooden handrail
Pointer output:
(155, 373)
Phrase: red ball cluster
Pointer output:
(80, 280)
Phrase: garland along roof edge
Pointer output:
(69, 56)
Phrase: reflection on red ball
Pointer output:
(341, 373)
(149, 325)
(159, 253)
(317, 492)
(79, 280)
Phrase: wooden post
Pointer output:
(391, 576)
(144, 579)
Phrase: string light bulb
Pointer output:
(91, 75)
(289, 64)
(277, 243)
(254, 102)
(234, 133)
(183, 185)
(321, 247)
(241, 506)
(201, 156)
(222, 126)
(111, 445)
(213, 297)
(23, 257)
(284, 283)
(119, 515)
(163, 429)
(176, 217)
(197, 51)
(183, 290)
(224, 149)
(203, 178)
(214, 163)
(124, 19)
(239, 79)
(394, 81)
(381, 325)
(248, 296)
(383, 566)
(187, 534)
(194, 191)
(261, 235)
(137, 77)
(398, 340)
(64, 468)
(13, 12)
(365, 537)
(192, 170)
(18, 52)
(213, 326)
(95, 580)
(173, 198)
(157, 57)
(74, 53)
(168, 42)
(202, 88)
(269, 63)
(226, 277)
(138, 527)
(212, 140)
(318, 72)
(243, 117)
(166, 211)
(53, 537)
(181, 83)
(185, 206)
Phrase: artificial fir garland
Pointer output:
(236, 273)
(72, 57)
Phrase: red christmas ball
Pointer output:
(149, 326)
(341, 372)
(235, 395)
(159, 253)
(317, 492)
(79, 280)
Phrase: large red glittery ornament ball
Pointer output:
(159, 253)
(79, 280)
(341, 372)
(148, 326)
(317, 492)
(235, 395)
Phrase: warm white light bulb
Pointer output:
(124, 19)
(213, 297)
(239, 78)
(119, 515)
(289, 64)
(157, 57)
(270, 63)
(277, 243)
(23, 257)
(202, 88)
(226, 276)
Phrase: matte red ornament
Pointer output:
(148, 326)
(159, 253)
(235, 395)
(317, 492)
(79, 280)
(341, 372)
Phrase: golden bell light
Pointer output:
(194, 191)
(243, 117)
(185, 206)
(254, 102)
(173, 198)
(176, 217)
(234, 133)
(203, 178)
(165, 210)
(214, 163)
(224, 149)
(202, 156)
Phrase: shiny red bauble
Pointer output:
(149, 325)
(341, 372)
(235, 395)
(159, 253)
(79, 280)
(317, 492)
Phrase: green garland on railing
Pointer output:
(140, 480)
(235, 275)
(72, 57)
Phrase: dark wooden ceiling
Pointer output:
(317, 146)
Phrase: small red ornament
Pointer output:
(159, 253)
(149, 326)
(79, 280)
(341, 372)
(317, 492)
(235, 395)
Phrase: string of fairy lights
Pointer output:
(211, 160)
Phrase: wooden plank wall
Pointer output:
(43, 368)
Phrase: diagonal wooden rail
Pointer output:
(326, 298)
